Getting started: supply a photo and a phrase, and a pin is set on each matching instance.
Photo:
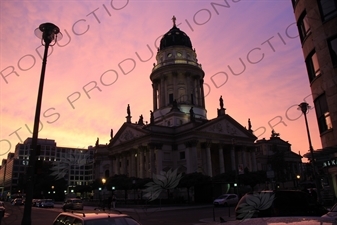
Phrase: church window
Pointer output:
(192, 99)
(182, 155)
(171, 98)
(179, 54)
(182, 95)
(169, 55)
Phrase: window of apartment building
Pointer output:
(312, 66)
(323, 114)
(303, 26)
(333, 50)
(328, 9)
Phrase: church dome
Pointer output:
(175, 37)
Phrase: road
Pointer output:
(186, 215)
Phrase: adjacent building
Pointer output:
(282, 165)
(73, 164)
(317, 26)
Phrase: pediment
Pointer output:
(127, 133)
(226, 126)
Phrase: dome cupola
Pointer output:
(175, 37)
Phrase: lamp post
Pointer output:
(49, 34)
(298, 178)
(304, 107)
(103, 200)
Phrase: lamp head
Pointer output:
(48, 33)
(304, 107)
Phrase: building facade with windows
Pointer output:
(73, 164)
(282, 165)
(317, 26)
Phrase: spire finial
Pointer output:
(174, 21)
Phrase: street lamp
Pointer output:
(304, 107)
(103, 182)
(49, 35)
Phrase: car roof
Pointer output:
(94, 215)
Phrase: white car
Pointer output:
(226, 200)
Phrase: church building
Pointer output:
(179, 134)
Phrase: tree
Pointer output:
(192, 179)
(121, 182)
(253, 178)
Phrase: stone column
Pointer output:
(254, 166)
(233, 160)
(132, 164)
(162, 93)
(118, 162)
(175, 87)
(159, 160)
(188, 89)
(155, 97)
(141, 163)
(202, 93)
(115, 166)
(197, 91)
(165, 97)
(151, 162)
(221, 159)
(244, 158)
(209, 159)
(124, 166)
(191, 156)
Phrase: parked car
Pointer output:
(36, 202)
(94, 218)
(332, 213)
(226, 200)
(278, 203)
(18, 201)
(73, 203)
(46, 203)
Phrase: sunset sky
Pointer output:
(249, 50)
